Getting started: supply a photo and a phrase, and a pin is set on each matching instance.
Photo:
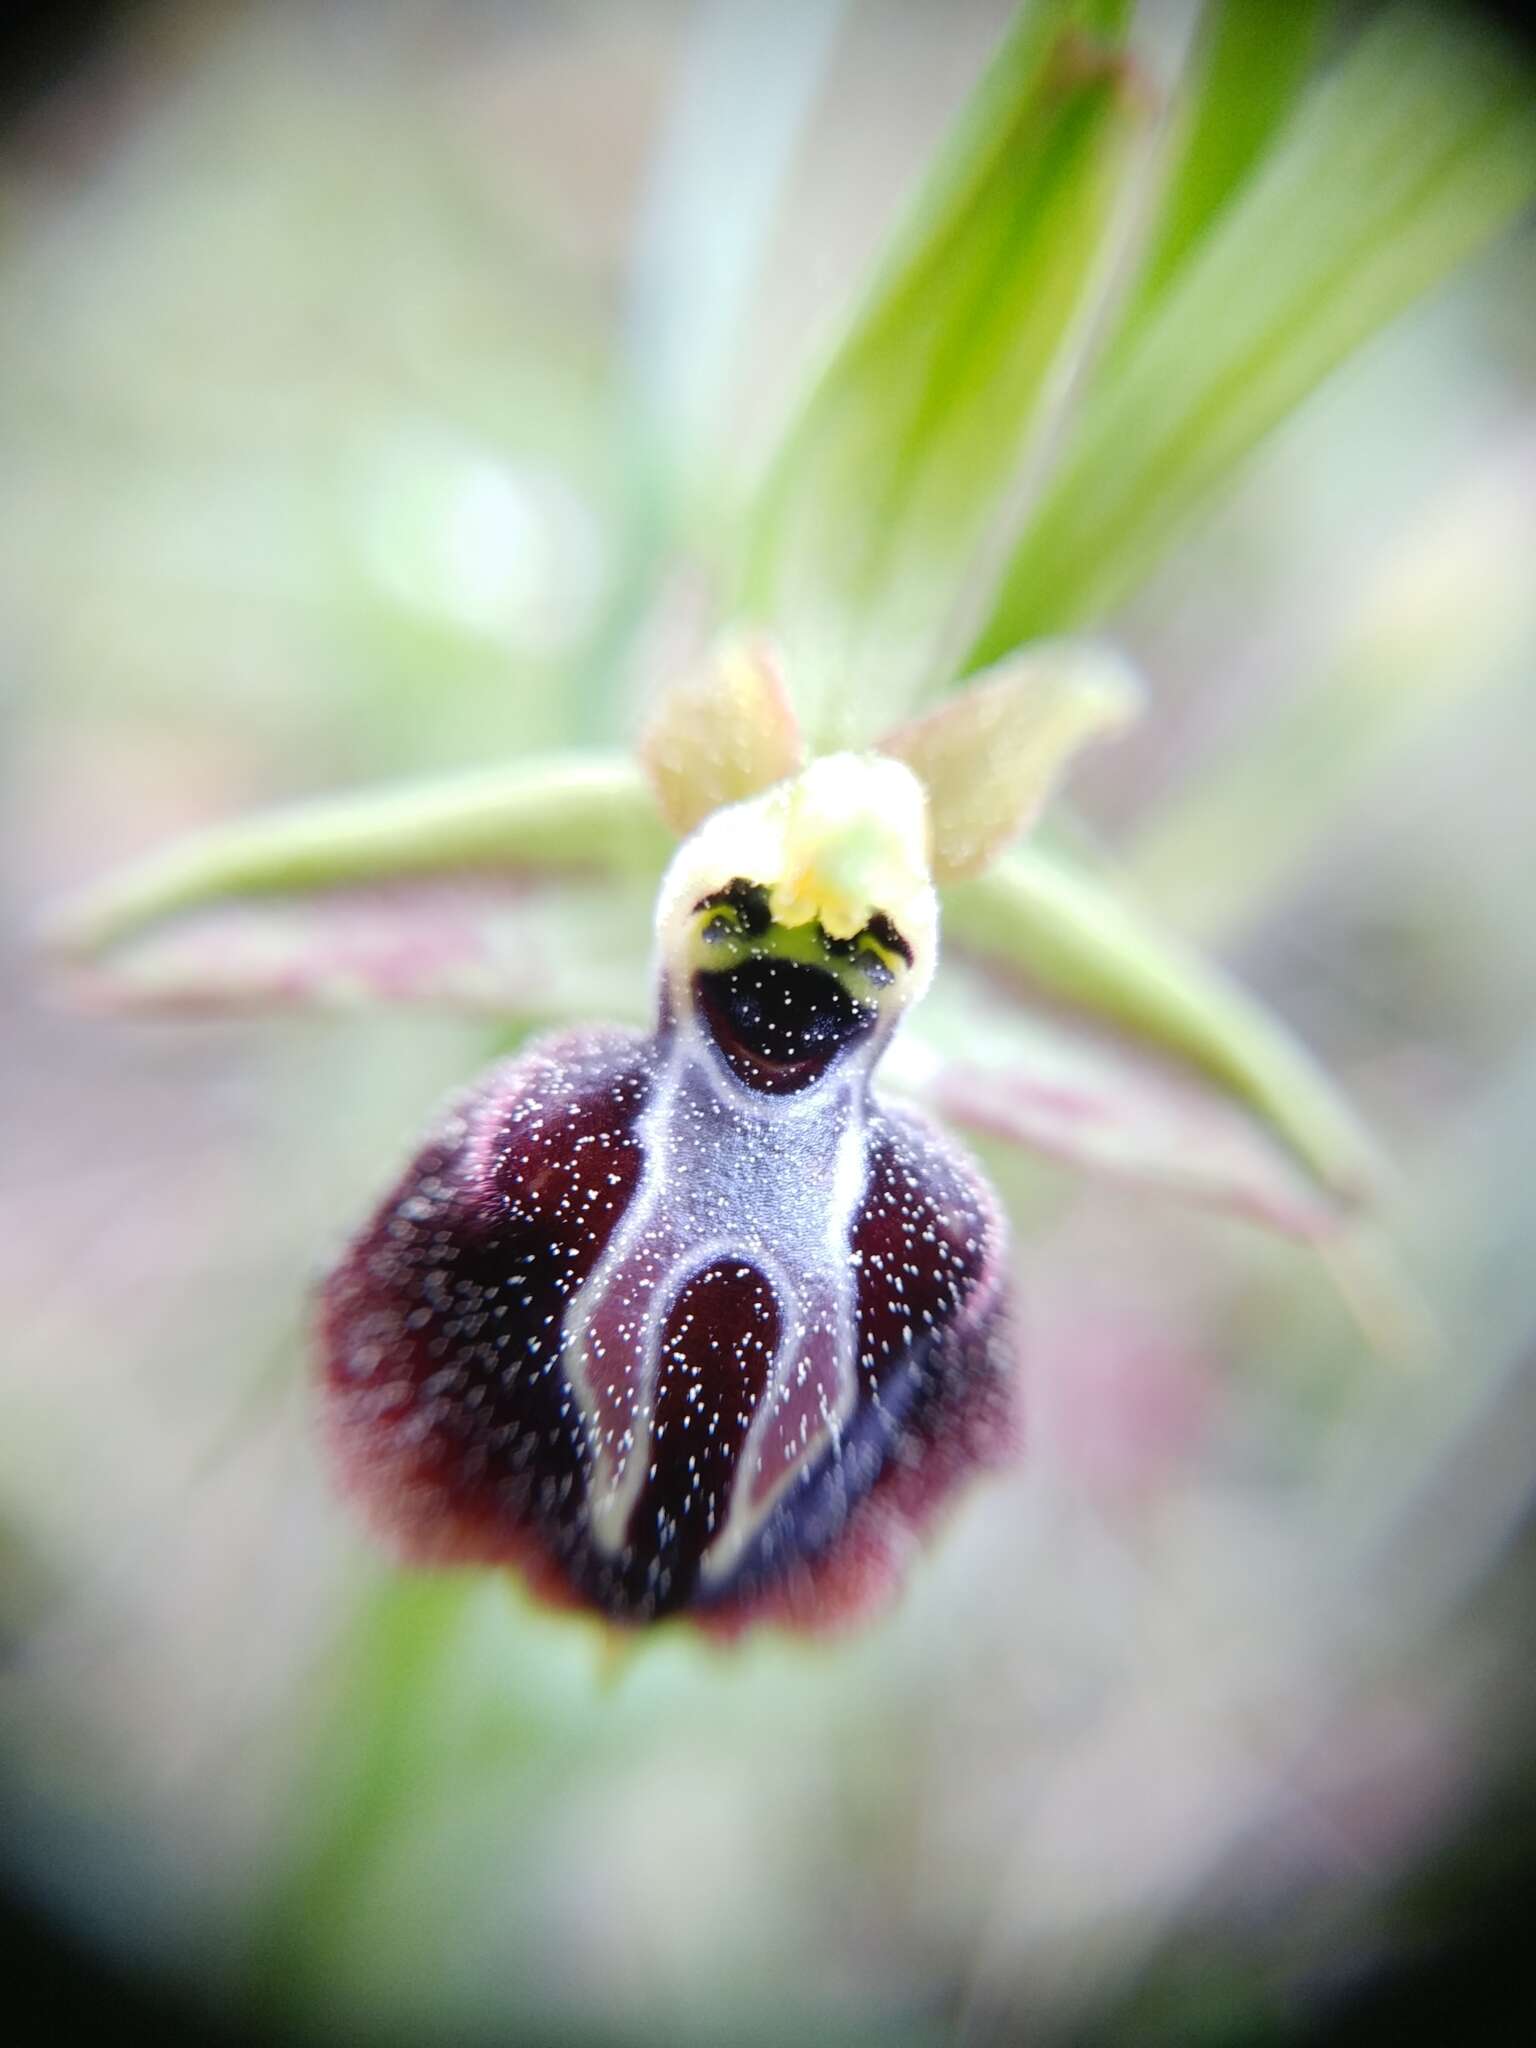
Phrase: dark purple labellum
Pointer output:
(687, 1325)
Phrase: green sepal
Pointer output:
(1079, 941)
(559, 814)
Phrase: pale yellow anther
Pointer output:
(854, 841)
(845, 839)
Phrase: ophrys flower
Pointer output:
(698, 1320)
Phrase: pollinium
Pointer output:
(694, 1323)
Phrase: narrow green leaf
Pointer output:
(1250, 65)
(561, 814)
(1400, 165)
(1081, 943)
(891, 480)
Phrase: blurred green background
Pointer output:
(365, 372)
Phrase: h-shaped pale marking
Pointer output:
(768, 1182)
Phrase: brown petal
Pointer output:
(720, 733)
(990, 757)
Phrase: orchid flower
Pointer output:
(704, 1319)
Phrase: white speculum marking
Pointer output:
(768, 1182)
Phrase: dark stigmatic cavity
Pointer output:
(779, 1023)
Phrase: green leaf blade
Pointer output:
(1252, 61)
(1400, 166)
(893, 476)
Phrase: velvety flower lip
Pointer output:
(493, 1400)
